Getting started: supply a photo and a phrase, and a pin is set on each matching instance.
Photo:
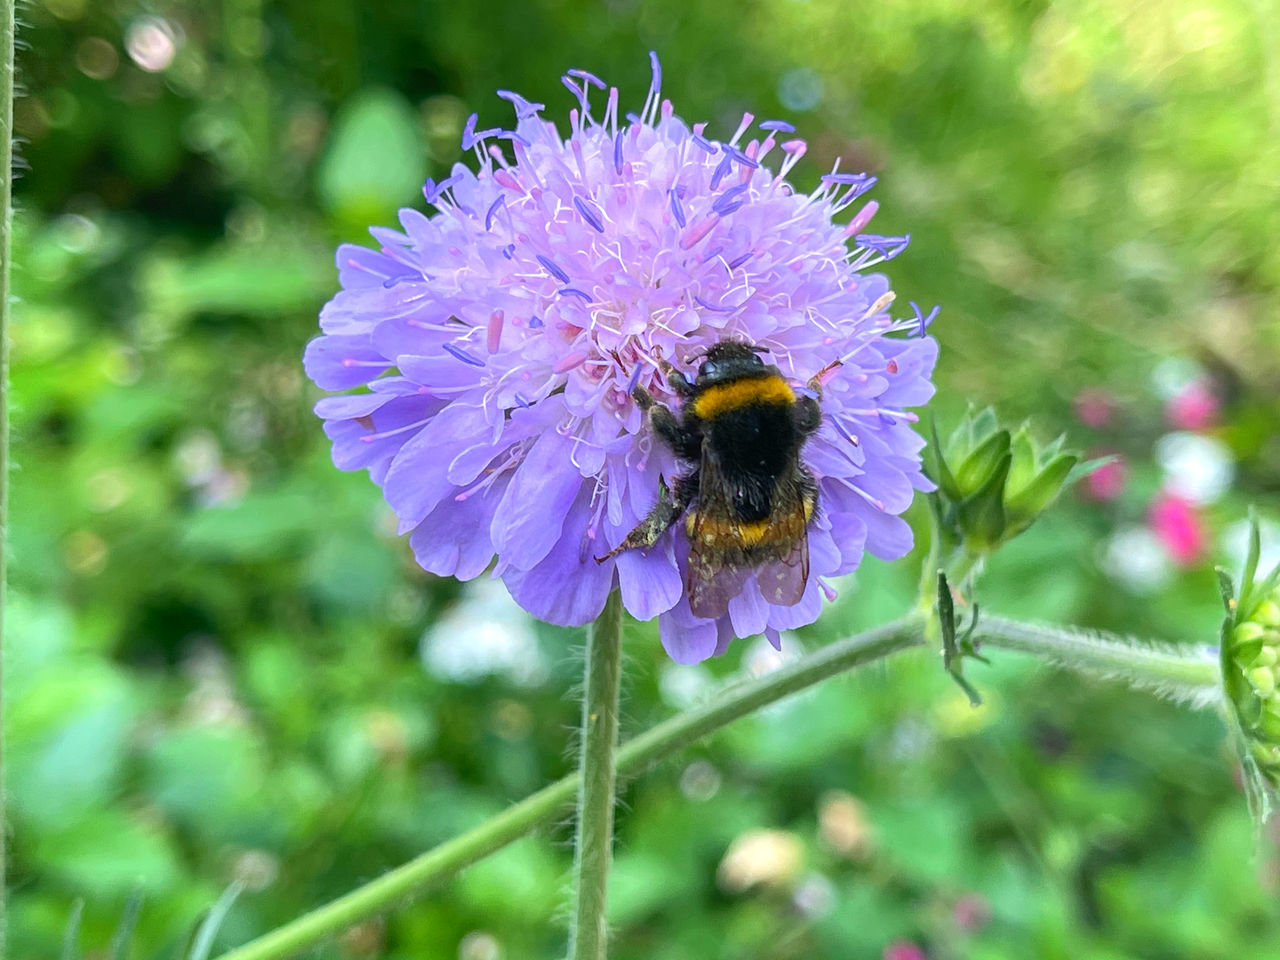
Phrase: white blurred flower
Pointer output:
(1197, 468)
(769, 857)
(483, 635)
(1135, 557)
(683, 684)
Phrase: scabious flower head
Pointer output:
(497, 340)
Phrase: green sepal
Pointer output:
(977, 469)
(935, 465)
(982, 516)
(1030, 502)
(1023, 469)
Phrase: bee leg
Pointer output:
(664, 513)
(819, 379)
(676, 380)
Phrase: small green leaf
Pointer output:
(209, 926)
(1031, 501)
(935, 464)
(71, 936)
(124, 933)
(976, 470)
(982, 515)
(1023, 469)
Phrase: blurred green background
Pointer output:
(223, 665)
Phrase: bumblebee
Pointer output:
(747, 499)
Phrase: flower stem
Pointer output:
(1189, 673)
(544, 807)
(6, 223)
(593, 846)
(1186, 673)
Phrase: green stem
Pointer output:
(544, 807)
(1190, 674)
(6, 223)
(598, 767)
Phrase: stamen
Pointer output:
(739, 157)
(828, 591)
(708, 306)
(634, 381)
(469, 135)
(552, 268)
(735, 263)
(515, 138)
(519, 398)
(566, 363)
(506, 179)
(371, 437)
(493, 334)
(617, 152)
(575, 292)
(591, 78)
(589, 212)
(747, 120)
(695, 234)
(493, 208)
(922, 320)
(883, 301)
(524, 108)
(862, 218)
(509, 250)
(779, 125)
(721, 171)
(728, 201)
(677, 210)
(704, 143)
(460, 354)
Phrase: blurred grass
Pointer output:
(216, 657)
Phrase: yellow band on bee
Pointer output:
(719, 399)
(715, 532)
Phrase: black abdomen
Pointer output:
(755, 445)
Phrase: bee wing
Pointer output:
(718, 566)
(782, 581)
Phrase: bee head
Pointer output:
(729, 360)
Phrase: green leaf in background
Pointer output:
(375, 160)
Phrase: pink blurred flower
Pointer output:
(1094, 407)
(1194, 407)
(1179, 527)
(1107, 482)
(971, 912)
(904, 950)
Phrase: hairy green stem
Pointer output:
(1188, 673)
(6, 224)
(549, 803)
(598, 769)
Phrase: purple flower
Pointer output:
(495, 342)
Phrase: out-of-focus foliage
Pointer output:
(223, 665)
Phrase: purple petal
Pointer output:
(564, 587)
(650, 582)
(453, 541)
(748, 611)
(418, 478)
(531, 516)
(341, 361)
(686, 638)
